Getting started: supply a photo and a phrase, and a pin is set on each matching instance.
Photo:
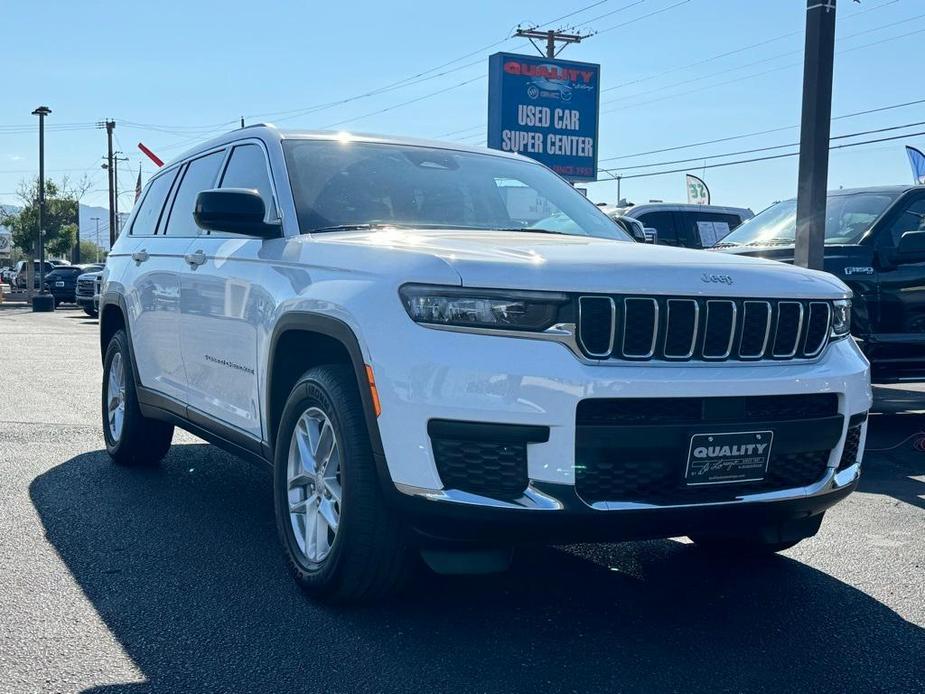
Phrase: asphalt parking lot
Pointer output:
(115, 580)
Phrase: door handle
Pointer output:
(140, 256)
(195, 259)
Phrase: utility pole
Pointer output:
(43, 302)
(551, 37)
(618, 189)
(110, 125)
(115, 186)
(97, 220)
(815, 127)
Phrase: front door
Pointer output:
(224, 305)
(900, 329)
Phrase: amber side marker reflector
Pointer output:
(377, 406)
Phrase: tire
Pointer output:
(137, 441)
(762, 540)
(367, 556)
(92, 312)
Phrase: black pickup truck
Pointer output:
(875, 243)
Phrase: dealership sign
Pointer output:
(547, 110)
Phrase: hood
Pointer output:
(537, 261)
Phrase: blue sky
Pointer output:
(173, 73)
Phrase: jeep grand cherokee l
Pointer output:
(429, 371)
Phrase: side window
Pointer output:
(146, 219)
(912, 218)
(663, 223)
(703, 229)
(200, 175)
(247, 168)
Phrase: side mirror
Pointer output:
(911, 248)
(235, 211)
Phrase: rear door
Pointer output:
(224, 304)
(153, 304)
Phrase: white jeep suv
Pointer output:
(430, 372)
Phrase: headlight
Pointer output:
(841, 318)
(482, 308)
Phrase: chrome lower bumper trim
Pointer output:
(533, 499)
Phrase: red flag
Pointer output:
(138, 185)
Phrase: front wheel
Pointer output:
(342, 542)
(131, 438)
(92, 312)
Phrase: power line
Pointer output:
(742, 136)
(768, 149)
(767, 158)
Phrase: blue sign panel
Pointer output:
(545, 109)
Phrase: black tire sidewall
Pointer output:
(311, 391)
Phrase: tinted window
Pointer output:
(247, 168)
(911, 219)
(705, 228)
(146, 219)
(663, 223)
(200, 175)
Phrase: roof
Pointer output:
(270, 133)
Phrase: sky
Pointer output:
(676, 72)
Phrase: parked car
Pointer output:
(631, 226)
(20, 276)
(426, 374)
(6, 275)
(61, 282)
(875, 243)
(691, 226)
(86, 291)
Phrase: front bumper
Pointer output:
(424, 375)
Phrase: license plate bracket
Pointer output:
(728, 457)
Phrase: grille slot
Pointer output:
(708, 329)
(597, 321)
(640, 327)
(682, 322)
(818, 326)
(720, 331)
(789, 325)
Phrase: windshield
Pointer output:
(847, 218)
(340, 185)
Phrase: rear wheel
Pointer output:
(342, 542)
(131, 438)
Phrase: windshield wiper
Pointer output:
(724, 244)
(352, 227)
(779, 241)
(532, 230)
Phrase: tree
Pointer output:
(90, 252)
(61, 217)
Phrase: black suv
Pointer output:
(61, 282)
(875, 243)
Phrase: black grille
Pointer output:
(849, 454)
(680, 328)
(753, 408)
(652, 478)
(635, 449)
(85, 287)
(492, 469)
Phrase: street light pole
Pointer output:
(43, 302)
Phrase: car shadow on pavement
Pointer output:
(893, 466)
(182, 564)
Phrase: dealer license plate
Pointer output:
(728, 458)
